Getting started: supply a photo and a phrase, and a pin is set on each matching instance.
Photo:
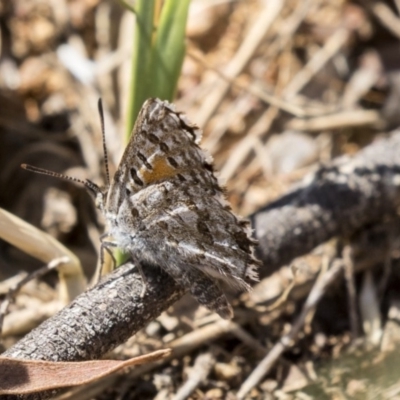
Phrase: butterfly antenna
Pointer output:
(103, 134)
(88, 184)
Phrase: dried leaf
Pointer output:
(27, 376)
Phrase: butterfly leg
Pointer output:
(105, 246)
(138, 265)
(144, 279)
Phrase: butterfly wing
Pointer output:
(181, 216)
(188, 228)
(161, 146)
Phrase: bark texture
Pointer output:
(339, 199)
(99, 319)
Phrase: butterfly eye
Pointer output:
(128, 191)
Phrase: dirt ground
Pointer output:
(295, 98)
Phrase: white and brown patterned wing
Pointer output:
(184, 226)
(163, 145)
(168, 199)
(172, 189)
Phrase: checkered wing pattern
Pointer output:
(165, 206)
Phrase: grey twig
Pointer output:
(197, 374)
(314, 296)
(340, 199)
(98, 320)
(348, 260)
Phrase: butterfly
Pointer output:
(164, 206)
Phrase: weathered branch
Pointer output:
(99, 320)
(339, 199)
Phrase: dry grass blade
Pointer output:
(44, 247)
(340, 120)
(198, 373)
(320, 58)
(17, 286)
(314, 296)
(246, 50)
(386, 16)
(370, 309)
(294, 95)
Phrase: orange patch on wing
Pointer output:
(160, 172)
